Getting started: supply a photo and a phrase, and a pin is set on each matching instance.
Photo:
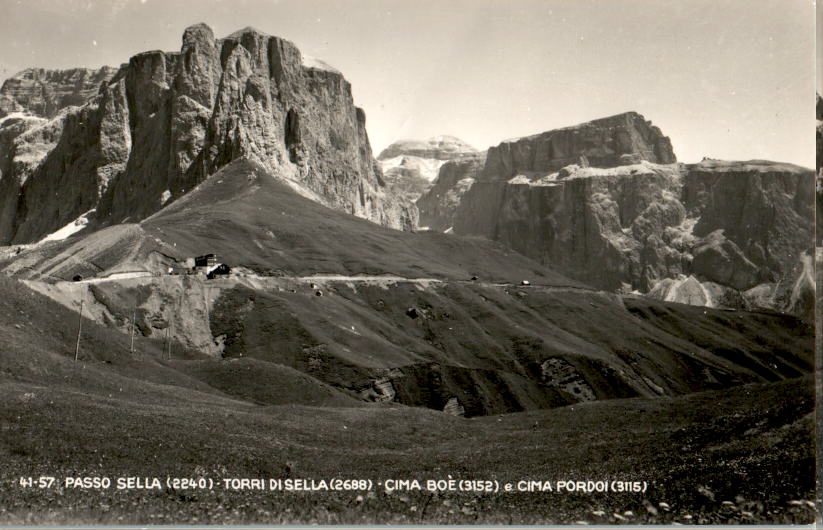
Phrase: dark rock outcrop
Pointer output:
(167, 120)
(720, 260)
(10, 128)
(757, 213)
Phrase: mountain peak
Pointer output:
(180, 117)
(240, 32)
(442, 147)
(201, 30)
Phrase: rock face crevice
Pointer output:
(167, 120)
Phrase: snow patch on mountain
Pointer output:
(438, 147)
(313, 62)
(426, 168)
(70, 229)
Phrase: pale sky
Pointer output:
(819, 40)
(730, 79)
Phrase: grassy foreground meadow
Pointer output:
(743, 454)
(731, 457)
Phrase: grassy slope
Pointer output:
(764, 342)
(119, 248)
(751, 446)
(37, 344)
(249, 218)
(113, 414)
(481, 343)
(469, 338)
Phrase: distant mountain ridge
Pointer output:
(443, 147)
(410, 167)
(606, 203)
(44, 93)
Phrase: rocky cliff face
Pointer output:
(44, 93)
(730, 234)
(591, 222)
(617, 140)
(439, 205)
(167, 120)
(410, 167)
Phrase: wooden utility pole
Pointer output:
(133, 314)
(79, 328)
